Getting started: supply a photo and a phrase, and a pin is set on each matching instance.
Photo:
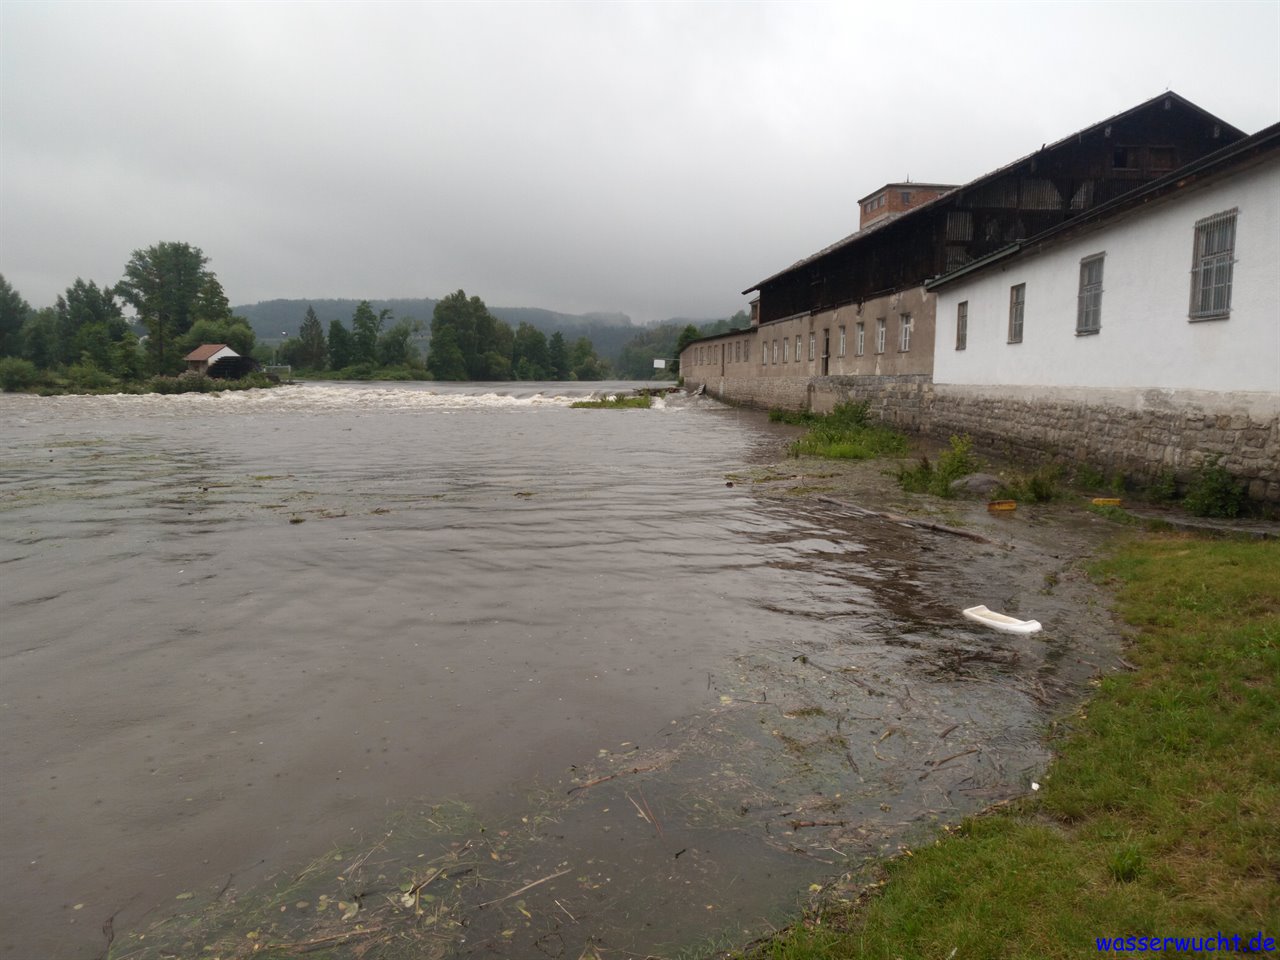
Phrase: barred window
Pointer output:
(962, 324)
(1089, 302)
(904, 332)
(797, 347)
(812, 338)
(842, 341)
(1211, 264)
(881, 325)
(784, 350)
(860, 339)
(775, 351)
(1017, 302)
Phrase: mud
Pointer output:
(573, 682)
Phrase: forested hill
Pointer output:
(608, 332)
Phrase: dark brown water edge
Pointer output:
(775, 688)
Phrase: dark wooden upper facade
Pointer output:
(1027, 197)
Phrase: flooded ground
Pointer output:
(409, 670)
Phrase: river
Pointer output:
(240, 632)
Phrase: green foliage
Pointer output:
(1041, 486)
(583, 362)
(957, 461)
(846, 433)
(620, 402)
(311, 349)
(530, 356)
(13, 313)
(484, 343)
(1214, 492)
(1090, 477)
(17, 374)
(445, 361)
(796, 417)
(558, 356)
(365, 327)
(235, 332)
(395, 346)
(1164, 488)
(342, 349)
(170, 287)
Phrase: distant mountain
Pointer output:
(608, 332)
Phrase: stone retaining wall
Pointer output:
(1138, 433)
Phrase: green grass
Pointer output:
(642, 401)
(846, 433)
(1161, 815)
(956, 461)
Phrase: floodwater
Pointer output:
(239, 632)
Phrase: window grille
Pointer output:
(881, 325)
(797, 348)
(842, 341)
(860, 339)
(1089, 302)
(1211, 266)
(812, 339)
(904, 332)
(962, 324)
(1017, 302)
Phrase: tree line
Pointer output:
(84, 341)
(467, 343)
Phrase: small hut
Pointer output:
(219, 360)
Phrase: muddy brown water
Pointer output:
(239, 633)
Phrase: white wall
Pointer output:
(1146, 340)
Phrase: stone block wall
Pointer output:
(1140, 434)
(901, 400)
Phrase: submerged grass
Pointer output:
(640, 401)
(846, 433)
(1161, 815)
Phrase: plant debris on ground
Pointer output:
(1161, 816)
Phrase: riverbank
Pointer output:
(1160, 814)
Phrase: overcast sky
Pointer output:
(648, 158)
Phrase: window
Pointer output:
(1211, 264)
(860, 339)
(904, 332)
(784, 350)
(906, 197)
(797, 348)
(812, 340)
(962, 324)
(775, 351)
(1089, 302)
(881, 325)
(842, 341)
(1017, 301)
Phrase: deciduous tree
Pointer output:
(167, 284)
(13, 313)
(311, 348)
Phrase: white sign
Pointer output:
(659, 364)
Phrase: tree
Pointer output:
(445, 362)
(687, 336)
(394, 348)
(13, 313)
(310, 349)
(365, 326)
(167, 284)
(89, 320)
(530, 358)
(558, 356)
(484, 341)
(234, 331)
(341, 346)
(39, 337)
(586, 365)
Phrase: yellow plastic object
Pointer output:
(1106, 501)
(995, 505)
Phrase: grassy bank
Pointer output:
(846, 433)
(1161, 816)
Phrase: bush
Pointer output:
(17, 374)
(86, 376)
(957, 461)
(1038, 487)
(1214, 492)
(845, 434)
(1164, 488)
